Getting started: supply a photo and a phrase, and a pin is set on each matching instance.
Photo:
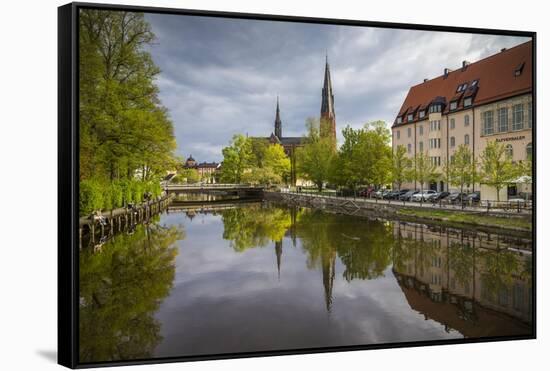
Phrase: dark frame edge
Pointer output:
(66, 182)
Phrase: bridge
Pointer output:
(242, 190)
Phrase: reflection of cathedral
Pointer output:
(446, 275)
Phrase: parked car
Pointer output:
(456, 197)
(380, 193)
(393, 195)
(407, 195)
(422, 196)
(366, 192)
(438, 196)
(472, 198)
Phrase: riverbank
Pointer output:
(490, 222)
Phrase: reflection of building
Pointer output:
(456, 278)
(207, 170)
(327, 103)
(488, 100)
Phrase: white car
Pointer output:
(422, 196)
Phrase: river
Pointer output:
(263, 276)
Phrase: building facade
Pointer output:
(488, 100)
(207, 170)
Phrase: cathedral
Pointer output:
(290, 144)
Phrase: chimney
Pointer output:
(465, 65)
(502, 50)
(425, 80)
(446, 72)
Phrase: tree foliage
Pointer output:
(497, 168)
(255, 161)
(401, 166)
(314, 161)
(124, 130)
(424, 171)
(462, 168)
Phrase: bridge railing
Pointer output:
(214, 186)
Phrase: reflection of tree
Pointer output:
(120, 289)
(499, 270)
(461, 261)
(255, 226)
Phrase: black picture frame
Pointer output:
(68, 187)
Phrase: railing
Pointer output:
(518, 206)
(213, 186)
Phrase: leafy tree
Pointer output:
(424, 170)
(461, 168)
(314, 160)
(497, 168)
(187, 176)
(237, 159)
(401, 166)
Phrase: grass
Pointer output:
(467, 218)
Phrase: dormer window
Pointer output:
(399, 120)
(435, 108)
(422, 114)
(519, 69)
(467, 102)
(453, 105)
(410, 117)
(474, 83)
(461, 87)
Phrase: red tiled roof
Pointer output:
(495, 75)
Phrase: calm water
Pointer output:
(267, 277)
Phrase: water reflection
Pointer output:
(267, 277)
(121, 287)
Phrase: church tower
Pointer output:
(278, 124)
(327, 103)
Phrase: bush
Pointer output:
(91, 197)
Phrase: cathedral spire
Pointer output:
(327, 101)
(278, 124)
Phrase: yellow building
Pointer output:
(488, 100)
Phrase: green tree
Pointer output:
(425, 170)
(237, 158)
(314, 160)
(461, 168)
(401, 166)
(497, 168)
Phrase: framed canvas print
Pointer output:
(237, 185)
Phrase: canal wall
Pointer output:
(489, 222)
(97, 226)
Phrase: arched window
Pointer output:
(452, 141)
(509, 150)
(466, 139)
(529, 150)
(467, 120)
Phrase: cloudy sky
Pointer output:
(221, 77)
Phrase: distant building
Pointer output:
(488, 100)
(207, 170)
(290, 144)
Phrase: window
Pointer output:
(530, 115)
(466, 139)
(410, 117)
(435, 125)
(461, 87)
(399, 120)
(503, 119)
(452, 124)
(488, 128)
(529, 151)
(398, 134)
(435, 108)
(467, 102)
(453, 105)
(421, 146)
(452, 159)
(474, 83)
(435, 143)
(422, 113)
(452, 141)
(509, 151)
(409, 148)
(408, 132)
(421, 130)
(467, 120)
(517, 123)
(519, 69)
